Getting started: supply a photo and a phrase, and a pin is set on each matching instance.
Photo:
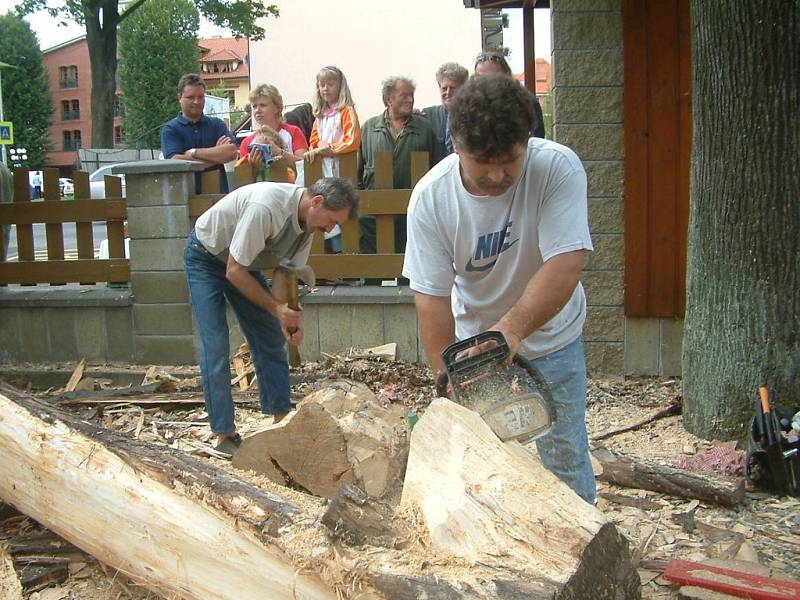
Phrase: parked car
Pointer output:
(66, 186)
(97, 186)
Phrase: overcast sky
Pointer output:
(51, 34)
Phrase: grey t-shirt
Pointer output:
(258, 225)
(483, 251)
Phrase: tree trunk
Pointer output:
(743, 282)
(102, 43)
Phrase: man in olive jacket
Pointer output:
(401, 132)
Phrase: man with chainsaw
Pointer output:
(497, 237)
(256, 227)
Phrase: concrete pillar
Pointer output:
(158, 194)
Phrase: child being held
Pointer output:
(266, 148)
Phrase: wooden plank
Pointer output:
(528, 52)
(278, 171)
(113, 185)
(350, 236)
(74, 211)
(76, 376)
(384, 202)
(634, 19)
(663, 61)
(420, 164)
(384, 171)
(384, 233)
(312, 171)
(64, 271)
(80, 181)
(51, 189)
(210, 182)
(115, 232)
(352, 266)
(200, 204)
(243, 175)
(348, 167)
(317, 244)
(54, 232)
(728, 581)
(22, 195)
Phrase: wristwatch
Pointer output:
(192, 153)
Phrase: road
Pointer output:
(70, 242)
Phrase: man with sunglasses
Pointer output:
(494, 63)
(497, 237)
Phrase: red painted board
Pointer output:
(731, 582)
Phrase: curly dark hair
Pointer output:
(490, 115)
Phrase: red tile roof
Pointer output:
(544, 76)
(225, 50)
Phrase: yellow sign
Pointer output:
(6, 132)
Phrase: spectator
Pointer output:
(497, 236)
(194, 136)
(335, 132)
(272, 143)
(449, 77)
(401, 132)
(301, 116)
(267, 109)
(491, 62)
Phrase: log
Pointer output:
(493, 503)
(648, 475)
(159, 516)
(185, 529)
(358, 519)
(346, 436)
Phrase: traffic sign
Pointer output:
(6, 132)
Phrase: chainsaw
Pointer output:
(514, 401)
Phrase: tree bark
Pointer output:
(101, 40)
(743, 282)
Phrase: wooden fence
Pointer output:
(383, 202)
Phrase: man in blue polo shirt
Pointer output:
(194, 136)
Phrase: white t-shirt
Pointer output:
(257, 224)
(483, 251)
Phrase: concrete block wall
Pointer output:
(158, 223)
(66, 324)
(588, 87)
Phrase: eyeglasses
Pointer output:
(490, 58)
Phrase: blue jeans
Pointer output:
(210, 289)
(565, 450)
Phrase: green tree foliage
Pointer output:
(102, 19)
(26, 90)
(157, 45)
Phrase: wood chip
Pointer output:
(76, 376)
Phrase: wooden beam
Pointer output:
(65, 271)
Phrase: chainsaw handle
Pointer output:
(441, 384)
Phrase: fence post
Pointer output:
(158, 194)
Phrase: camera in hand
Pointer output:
(266, 152)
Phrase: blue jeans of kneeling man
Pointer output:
(209, 290)
(565, 450)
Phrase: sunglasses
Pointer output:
(490, 58)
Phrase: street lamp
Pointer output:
(18, 156)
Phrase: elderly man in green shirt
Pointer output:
(401, 132)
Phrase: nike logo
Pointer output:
(490, 245)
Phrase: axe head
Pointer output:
(305, 273)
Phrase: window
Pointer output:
(72, 140)
(119, 135)
(68, 77)
(119, 111)
(70, 110)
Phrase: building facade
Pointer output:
(70, 74)
(224, 65)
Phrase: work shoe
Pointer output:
(229, 445)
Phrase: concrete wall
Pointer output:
(369, 41)
(588, 80)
